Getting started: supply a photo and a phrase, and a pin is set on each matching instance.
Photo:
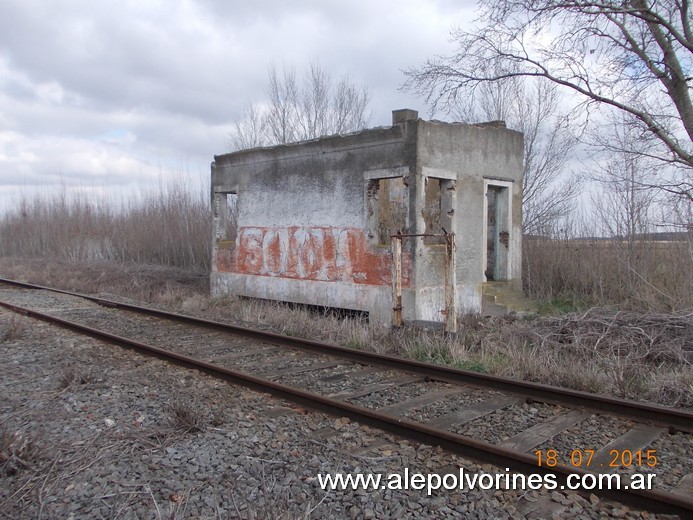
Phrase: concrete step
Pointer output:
(499, 298)
(508, 299)
(497, 287)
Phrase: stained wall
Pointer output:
(311, 222)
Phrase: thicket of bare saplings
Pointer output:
(170, 228)
(643, 274)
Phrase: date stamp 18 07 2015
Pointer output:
(585, 458)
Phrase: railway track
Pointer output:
(463, 412)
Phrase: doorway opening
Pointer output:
(497, 227)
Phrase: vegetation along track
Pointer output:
(527, 427)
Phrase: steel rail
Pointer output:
(671, 418)
(655, 501)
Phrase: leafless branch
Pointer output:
(635, 57)
(297, 111)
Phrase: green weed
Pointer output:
(471, 365)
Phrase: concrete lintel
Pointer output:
(225, 188)
(386, 173)
(439, 173)
(504, 181)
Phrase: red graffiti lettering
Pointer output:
(315, 253)
(250, 252)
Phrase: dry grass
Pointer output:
(626, 354)
(186, 416)
(639, 275)
(170, 228)
(14, 329)
(18, 451)
(152, 283)
(71, 376)
(271, 502)
(52, 471)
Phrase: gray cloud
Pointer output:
(113, 92)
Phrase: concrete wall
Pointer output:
(314, 219)
(476, 156)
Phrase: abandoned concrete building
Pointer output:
(414, 222)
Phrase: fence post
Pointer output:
(450, 284)
(396, 246)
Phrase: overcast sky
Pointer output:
(113, 95)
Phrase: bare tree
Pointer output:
(314, 115)
(349, 107)
(624, 207)
(624, 204)
(614, 136)
(533, 109)
(296, 112)
(634, 56)
(677, 214)
(281, 117)
(248, 132)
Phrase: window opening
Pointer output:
(226, 220)
(388, 202)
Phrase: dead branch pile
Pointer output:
(18, 451)
(649, 337)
